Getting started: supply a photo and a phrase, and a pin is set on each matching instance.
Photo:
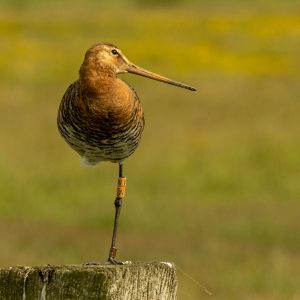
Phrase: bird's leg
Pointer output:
(118, 204)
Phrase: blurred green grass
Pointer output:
(214, 185)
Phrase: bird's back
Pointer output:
(106, 126)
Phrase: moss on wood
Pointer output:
(97, 281)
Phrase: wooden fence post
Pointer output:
(132, 281)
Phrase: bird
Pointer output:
(100, 116)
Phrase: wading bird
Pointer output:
(101, 117)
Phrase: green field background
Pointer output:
(215, 183)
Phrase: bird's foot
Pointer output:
(112, 256)
(113, 261)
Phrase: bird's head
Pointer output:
(109, 59)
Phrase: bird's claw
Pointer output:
(113, 261)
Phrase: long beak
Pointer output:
(142, 72)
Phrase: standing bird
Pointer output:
(101, 117)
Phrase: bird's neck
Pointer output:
(96, 81)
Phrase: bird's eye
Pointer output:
(114, 52)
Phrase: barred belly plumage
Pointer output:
(99, 137)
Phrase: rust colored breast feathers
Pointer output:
(103, 124)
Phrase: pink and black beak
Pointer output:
(142, 72)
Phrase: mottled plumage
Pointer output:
(100, 116)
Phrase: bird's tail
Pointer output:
(88, 162)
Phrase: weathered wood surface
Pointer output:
(132, 281)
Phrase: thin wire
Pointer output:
(203, 288)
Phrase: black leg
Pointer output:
(120, 169)
(118, 204)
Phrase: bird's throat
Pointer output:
(96, 80)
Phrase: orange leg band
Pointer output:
(121, 187)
